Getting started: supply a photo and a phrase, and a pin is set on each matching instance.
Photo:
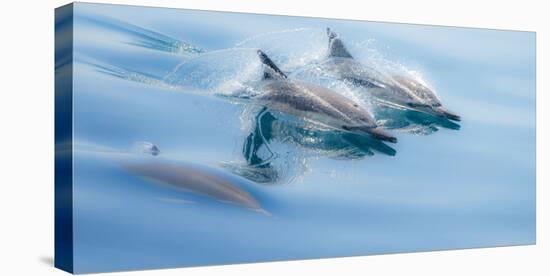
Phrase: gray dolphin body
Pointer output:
(315, 103)
(401, 90)
(193, 178)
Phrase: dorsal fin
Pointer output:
(271, 71)
(336, 47)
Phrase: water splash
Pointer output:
(224, 72)
(141, 37)
(124, 73)
(290, 49)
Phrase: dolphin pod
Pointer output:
(310, 103)
(314, 103)
(397, 89)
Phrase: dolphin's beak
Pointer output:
(381, 135)
(375, 132)
(447, 114)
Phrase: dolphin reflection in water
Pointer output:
(411, 121)
(269, 166)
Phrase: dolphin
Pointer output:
(189, 177)
(400, 90)
(315, 104)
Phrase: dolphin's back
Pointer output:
(358, 74)
(426, 95)
(350, 69)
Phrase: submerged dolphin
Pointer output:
(193, 178)
(314, 103)
(401, 90)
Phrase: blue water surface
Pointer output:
(160, 75)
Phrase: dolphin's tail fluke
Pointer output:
(272, 71)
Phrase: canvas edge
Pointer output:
(64, 139)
